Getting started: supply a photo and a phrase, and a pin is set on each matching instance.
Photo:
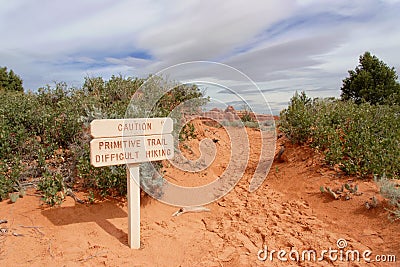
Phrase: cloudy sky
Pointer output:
(282, 46)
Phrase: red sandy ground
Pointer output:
(287, 212)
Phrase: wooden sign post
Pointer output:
(131, 141)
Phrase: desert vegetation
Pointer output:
(358, 133)
(44, 135)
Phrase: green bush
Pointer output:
(52, 187)
(44, 136)
(361, 139)
(296, 120)
(9, 178)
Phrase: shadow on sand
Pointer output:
(99, 213)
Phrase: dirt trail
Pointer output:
(287, 212)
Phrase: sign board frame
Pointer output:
(114, 139)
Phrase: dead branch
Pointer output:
(97, 254)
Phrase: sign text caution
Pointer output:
(130, 127)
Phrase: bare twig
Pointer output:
(27, 184)
(190, 209)
(72, 194)
(36, 228)
(23, 226)
(17, 234)
(94, 255)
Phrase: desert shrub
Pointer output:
(235, 123)
(112, 96)
(32, 127)
(251, 124)
(113, 100)
(391, 191)
(109, 180)
(361, 139)
(44, 136)
(187, 132)
(9, 178)
(296, 120)
(52, 187)
(241, 124)
(246, 116)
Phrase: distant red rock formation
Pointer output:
(230, 109)
(216, 110)
(230, 114)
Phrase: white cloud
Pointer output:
(288, 44)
